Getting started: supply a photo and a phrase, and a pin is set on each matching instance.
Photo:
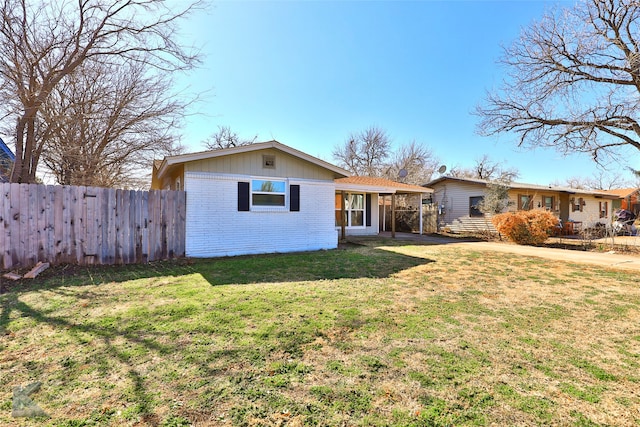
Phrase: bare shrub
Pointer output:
(525, 227)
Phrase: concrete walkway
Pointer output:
(603, 259)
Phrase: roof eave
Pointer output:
(523, 186)
(380, 189)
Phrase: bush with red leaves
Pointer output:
(526, 227)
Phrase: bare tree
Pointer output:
(105, 123)
(226, 138)
(44, 42)
(417, 161)
(496, 198)
(487, 169)
(364, 153)
(573, 81)
(601, 180)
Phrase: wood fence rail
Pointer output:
(89, 225)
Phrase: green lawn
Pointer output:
(378, 334)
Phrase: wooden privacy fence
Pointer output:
(408, 219)
(89, 225)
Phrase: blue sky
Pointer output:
(309, 73)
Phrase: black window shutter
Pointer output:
(368, 210)
(294, 198)
(243, 196)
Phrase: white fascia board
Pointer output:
(378, 189)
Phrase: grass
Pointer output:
(377, 334)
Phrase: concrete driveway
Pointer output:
(603, 259)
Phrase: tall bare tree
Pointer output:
(487, 169)
(364, 153)
(601, 180)
(412, 163)
(224, 137)
(105, 123)
(573, 81)
(43, 42)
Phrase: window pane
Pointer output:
(268, 199)
(268, 186)
(357, 201)
(338, 201)
(356, 218)
(338, 216)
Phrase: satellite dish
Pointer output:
(403, 173)
(442, 169)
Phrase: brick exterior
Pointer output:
(214, 227)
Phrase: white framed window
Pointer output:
(604, 209)
(354, 210)
(525, 202)
(549, 203)
(268, 193)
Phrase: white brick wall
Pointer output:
(215, 227)
(590, 213)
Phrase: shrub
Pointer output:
(526, 227)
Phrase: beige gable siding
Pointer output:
(251, 163)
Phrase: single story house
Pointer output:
(457, 200)
(268, 197)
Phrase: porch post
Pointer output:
(393, 215)
(384, 213)
(343, 232)
(420, 211)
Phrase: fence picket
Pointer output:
(42, 215)
(144, 224)
(5, 229)
(80, 225)
(26, 222)
(57, 251)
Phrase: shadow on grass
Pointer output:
(109, 343)
(113, 339)
(350, 261)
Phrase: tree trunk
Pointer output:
(24, 167)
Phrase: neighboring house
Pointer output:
(457, 200)
(268, 197)
(628, 199)
(7, 158)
